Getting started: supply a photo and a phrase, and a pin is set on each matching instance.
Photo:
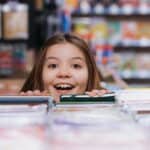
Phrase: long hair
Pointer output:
(35, 81)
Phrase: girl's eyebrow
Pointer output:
(73, 58)
(51, 57)
(78, 58)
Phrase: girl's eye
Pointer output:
(77, 66)
(52, 66)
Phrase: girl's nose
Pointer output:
(63, 72)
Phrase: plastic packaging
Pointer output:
(24, 127)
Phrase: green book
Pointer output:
(84, 99)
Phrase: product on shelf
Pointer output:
(143, 33)
(15, 20)
(99, 8)
(104, 54)
(114, 9)
(143, 64)
(144, 7)
(65, 21)
(82, 28)
(85, 7)
(14, 60)
(114, 36)
(129, 6)
(99, 30)
(126, 64)
(129, 33)
(6, 61)
(133, 65)
(39, 4)
(19, 57)
(70, 5)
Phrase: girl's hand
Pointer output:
(37, 93)
(96, 92)
(34, 93)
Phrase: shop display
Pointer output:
(13, 59)
(108, 27)
(122, 24)
(78, 126)
(96, 126)
(124, 33)
(101, 23)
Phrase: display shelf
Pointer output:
(127, 40)
(14, 41)
(14, 49)
(128, 17)
(15, 76)
(132, 48)
(134, 80)
(114, 16)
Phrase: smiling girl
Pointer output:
(64, 66)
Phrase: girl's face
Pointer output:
(65, 70)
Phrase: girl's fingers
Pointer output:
(97, 92)
(34, 93)
(46, 93)
(30, 93)
(22, 93)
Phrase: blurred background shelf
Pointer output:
(137, 80)
(144, 17)
(139, 49)
(13, 41)
(117, 31)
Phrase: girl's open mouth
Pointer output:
(64, 86)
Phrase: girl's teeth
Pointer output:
(63, 86)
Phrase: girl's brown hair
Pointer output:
(35, 81)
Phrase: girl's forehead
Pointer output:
(64, 49)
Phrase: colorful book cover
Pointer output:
(143, 29)
(82, 28)
(114, 32)
(129, 33)
(99, 30)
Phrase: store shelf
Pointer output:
(18, 75)
(127, 40)
(145, 81)
(132, 48)
(13, 41)
(114, 16)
